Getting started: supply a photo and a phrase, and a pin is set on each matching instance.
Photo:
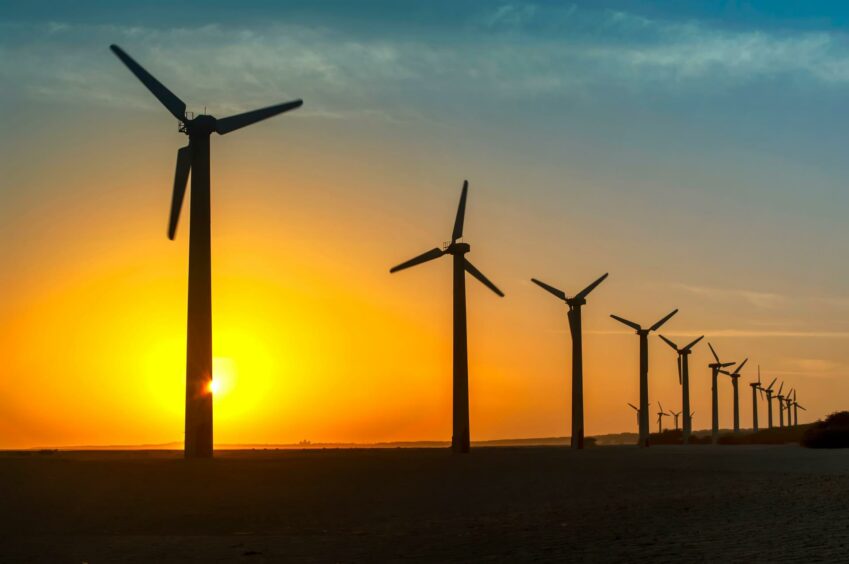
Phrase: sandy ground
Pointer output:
(664, 504)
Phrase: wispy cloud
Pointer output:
(551, 51)
(755, 298)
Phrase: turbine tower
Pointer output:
(735, 380)
(574, 316)
(780, 399)
(644, 370)
(660, 415)
(684, 382)
(715, 367)
(768, 391)
(194, 158)
(460, 437)
(756, 387)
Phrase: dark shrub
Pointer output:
(831, 433)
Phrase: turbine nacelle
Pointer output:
(457, 248)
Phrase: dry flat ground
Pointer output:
(682, 504)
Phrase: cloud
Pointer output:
(755, 298)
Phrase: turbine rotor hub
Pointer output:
(200, 125)
(458, 248)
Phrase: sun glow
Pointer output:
(223, 376)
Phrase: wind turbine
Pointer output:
(768, 391)
(644, 370)
(675, 416)
(637, 409)
(574, 316)
(789, 403)
(780, 399)
(756, 387)
(796, 408)
(735, 380)
(715, 367)
(684, 382)
(660, 415)
(460, 437)
(194, 159)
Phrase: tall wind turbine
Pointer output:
(715, 367)
(660, 415)
(644, 370)
(460, 437)
(735, 380)
(768, 392)
(684, 382)
(194, 159)
(780, 399)
(574, 316)
(756, 388)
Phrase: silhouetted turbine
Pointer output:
(756, 388)
(788, 402)
(715, 367)
(660, 415)
(460, 440)
(675, 417)
(780, 399)
(637, 409)
(768, 392)
(684, 381)
(796, 408)
(194, 159)
(574, 316)
(735, 378)
(644, 370)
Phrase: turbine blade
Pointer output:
(168, 99)
(434, 253)
(470, 268)
(691, 345)
(670, 343)
(742, 364)
(630, 324)
(800, 407)
(657, 325)
(724, 364)
(559, 293)
(779, 389)
(771, 384)
(680, 379)
(232, 123)
(181, 178)
(583, 293)
(713, 352)
(635, 407)
(461, 213)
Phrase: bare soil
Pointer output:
(663, 504)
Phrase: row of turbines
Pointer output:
(460, 440)
(194, 160)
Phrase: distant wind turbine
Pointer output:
(644, 370)
(684, 382)
(574, 316)
(675, 417)
(715, 367)
(460, 441)
(796, 408)
(735, 380)
(768, 392)
(637, 410)
(756, 388)
(780, 399)
(660, 415)
(194, 159)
